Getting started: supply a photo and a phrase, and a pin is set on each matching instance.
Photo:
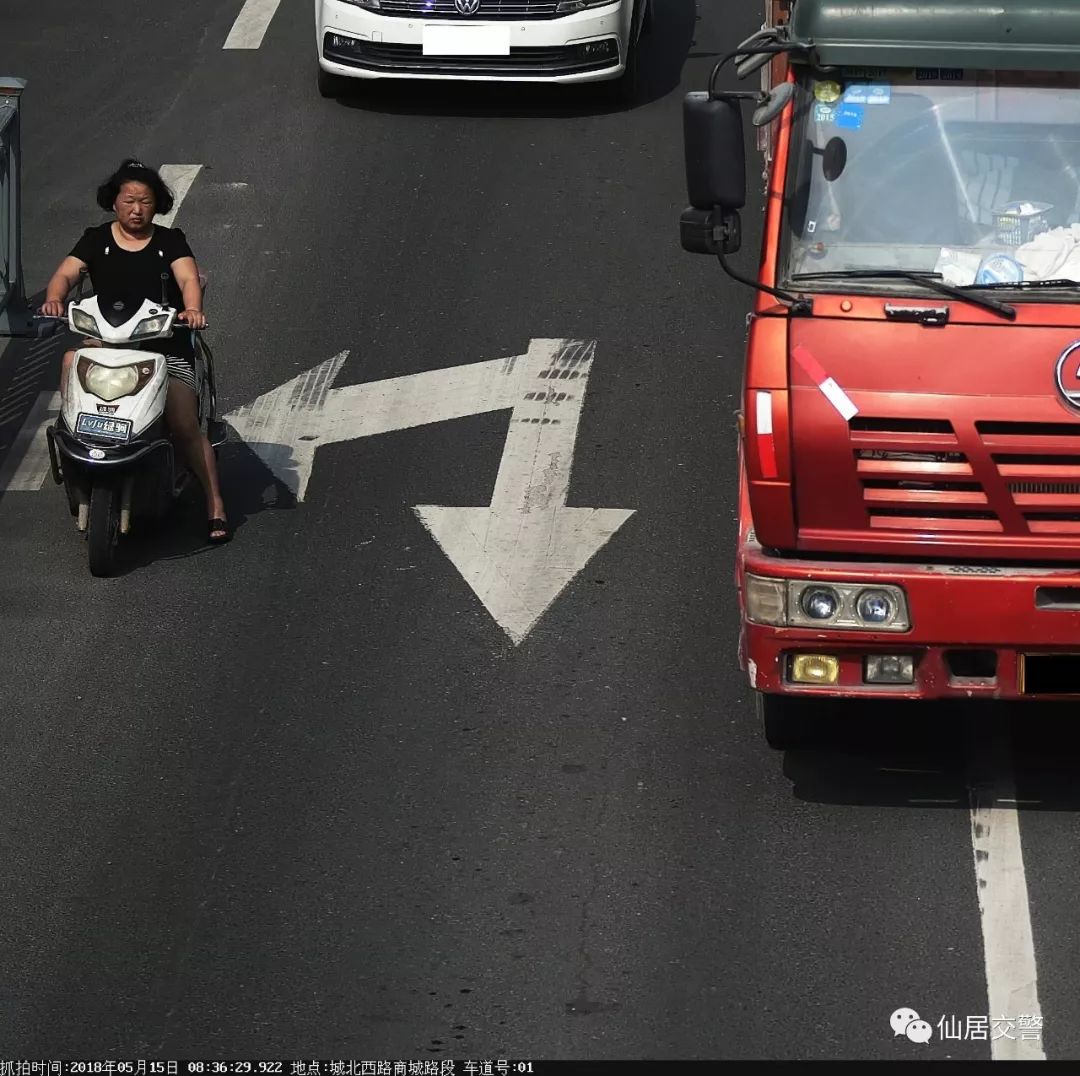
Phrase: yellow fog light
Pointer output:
(814, 669)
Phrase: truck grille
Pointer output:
(1014, 477)
(489, 9)
(1040, 464)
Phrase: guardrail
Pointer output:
(14, 313)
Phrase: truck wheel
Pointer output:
(103, 530)
(789, 723)
(330, 85)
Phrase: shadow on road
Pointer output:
(664, 51)
(930, 754)
(248, 487)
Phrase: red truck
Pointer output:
(909, 450)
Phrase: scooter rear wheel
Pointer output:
(103, 530)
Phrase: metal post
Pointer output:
(15, 318)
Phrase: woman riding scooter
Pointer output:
(128, 260)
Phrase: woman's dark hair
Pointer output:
(134, 171)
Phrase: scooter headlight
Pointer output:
(84, 322)
(112, 382)
(150, 327)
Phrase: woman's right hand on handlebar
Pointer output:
(53, 308)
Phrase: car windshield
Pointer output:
(973, 175)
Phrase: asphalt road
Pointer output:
(302, 796)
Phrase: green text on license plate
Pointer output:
(111, 429)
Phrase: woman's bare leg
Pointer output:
(181, 415)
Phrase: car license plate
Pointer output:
(455, 40)
(109, 429)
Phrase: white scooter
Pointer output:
(110, 448)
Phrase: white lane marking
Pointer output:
(285, 426)
(178, 178)
(519, 552)
(251, 24)
(27, 461)
(1009, 949)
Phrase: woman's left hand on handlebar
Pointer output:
(196, 319)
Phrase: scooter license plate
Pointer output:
(109, 429)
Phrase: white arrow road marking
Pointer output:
(251, 24)
(519, 552)
(1012, 982)
(27, 461)
(178, 178)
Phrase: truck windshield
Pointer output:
(973, 175)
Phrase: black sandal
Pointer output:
(218, 525)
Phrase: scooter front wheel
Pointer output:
(103, 530)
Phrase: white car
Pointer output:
(564, 41)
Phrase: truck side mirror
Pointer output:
(715, 152)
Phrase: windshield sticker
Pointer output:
(850, 117)
(828, 92)
(868, 93)
(939, 74)
(824, 113)
(873, 74)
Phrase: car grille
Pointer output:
(1011, 478)
(489, 9)
(534, 61)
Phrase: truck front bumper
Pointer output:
(977, 630)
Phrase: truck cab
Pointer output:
(909, 450)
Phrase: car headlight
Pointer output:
(150, 326)
(564, 7)
(84, 322)
(796, 603)
(371, 5)
(109, 382)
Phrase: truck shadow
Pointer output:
(664, 51)
(931, 754)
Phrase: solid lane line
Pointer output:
(251, 24)
(1008, 945)
(27, 462)
(178, 178)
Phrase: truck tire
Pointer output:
(103, 531)
(789, 723)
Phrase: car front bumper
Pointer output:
(585, 47)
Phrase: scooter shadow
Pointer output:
(248, 487)
(664, 51)
(930, 755)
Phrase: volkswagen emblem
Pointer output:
(467, 7)
(1067, 376)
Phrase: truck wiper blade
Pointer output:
(1027, 285)
(917, 276)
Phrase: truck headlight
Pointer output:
(797, 603)
(820, 603)
(875, 607)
